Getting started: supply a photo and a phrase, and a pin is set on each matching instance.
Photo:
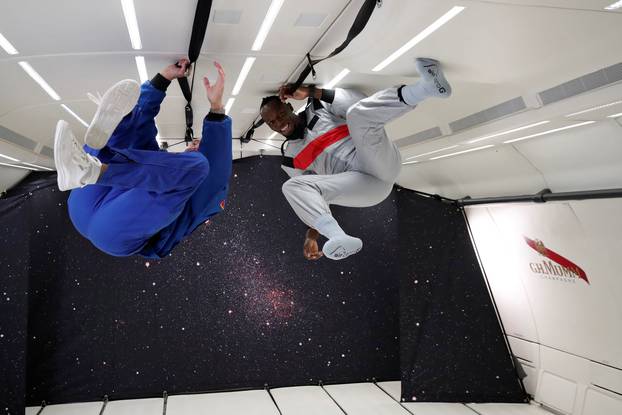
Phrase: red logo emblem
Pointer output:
(565, 267)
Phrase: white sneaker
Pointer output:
(75, 168)
(116, 103)
(432, 74)
(341, 247)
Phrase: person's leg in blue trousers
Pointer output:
(142, 190)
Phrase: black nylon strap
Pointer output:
(288, 162)
(199, 27)
(359, 24)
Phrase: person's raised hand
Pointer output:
(176, 70)
(216, 90)
(285, 92)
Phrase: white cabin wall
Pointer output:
(563, 330)
(9, 176)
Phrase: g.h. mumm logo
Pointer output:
(555, 266)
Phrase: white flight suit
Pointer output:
(358, 170)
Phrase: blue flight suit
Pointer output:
(148, 200)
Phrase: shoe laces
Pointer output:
(97, 99)
(79, 156)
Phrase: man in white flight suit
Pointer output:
(338, 152)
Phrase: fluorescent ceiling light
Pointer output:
(38, 79)
(337, 79)
(229, 105)
(462, 152)
(9, 158)
(273, 11)
(421, 36)
(594, 108)
(568, 127)
(616, 115)
(142, 69)
(17, 167)
(411, 162)
(248, 64)
(431, 152)
(272, 136)
(6, 45)
(37, 166)
(614, 6)
(66, 108)
(509, 131)
(132, 23)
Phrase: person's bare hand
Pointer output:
(285, 92)
(216, 90)
(176, 70)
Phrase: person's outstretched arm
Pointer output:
(216, 141)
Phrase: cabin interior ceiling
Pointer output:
(493, 51)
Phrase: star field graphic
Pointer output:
(236, 305)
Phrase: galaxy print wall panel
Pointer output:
(14, 267)
(451, 342)
(235, 306)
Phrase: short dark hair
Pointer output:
(269, 100)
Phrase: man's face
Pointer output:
(279, 117)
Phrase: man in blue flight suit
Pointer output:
(129, 197)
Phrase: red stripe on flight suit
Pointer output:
(317, 146)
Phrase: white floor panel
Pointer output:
(437, 408)
(305, 400)
(393, 388)
(240, 403)
(88, 408)
(32, 410)
(507, 409)
(364, 399)
(135, 407)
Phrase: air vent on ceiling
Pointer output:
(493, 113)
(419, 137)
(47, 151)
(582, 84)
(17, 139)
(222, 16)
(310, 19)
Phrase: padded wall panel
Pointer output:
(557, 392)
(87, 408)
(599, 403)
(256, 402)
(437, 408)
(364, 399)
(304, 400)
(135, 407)
(576, 314)
(503, 274)
(606, 377)
(507, 409)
